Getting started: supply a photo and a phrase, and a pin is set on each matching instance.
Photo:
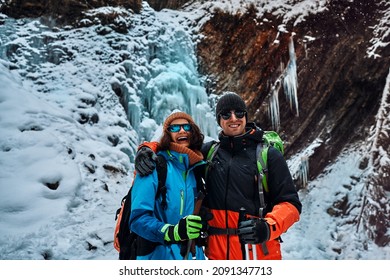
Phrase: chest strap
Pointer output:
(222, 231)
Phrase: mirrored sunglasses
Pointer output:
(238, 114)
(176, 127)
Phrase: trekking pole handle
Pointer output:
(198, 205)
(241, 215)
(244, 247)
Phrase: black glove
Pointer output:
(145, 161)
(253, 231)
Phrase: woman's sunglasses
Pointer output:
(227, 115)
(176, 127)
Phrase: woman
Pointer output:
(166, 230)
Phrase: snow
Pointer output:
(381, 32)
(67, 145)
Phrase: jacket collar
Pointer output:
(251, 137)
(183, 157)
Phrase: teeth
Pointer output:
(182, 138)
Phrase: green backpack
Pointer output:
(270, 138)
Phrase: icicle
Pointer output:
(290, 85)
(274, 107)
(290, 81)
(303, 172)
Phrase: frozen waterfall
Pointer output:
(162, 77)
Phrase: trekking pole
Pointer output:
(190, 243)
(244, 246)
(254, 250)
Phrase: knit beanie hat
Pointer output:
(230, 101)
(175, 116)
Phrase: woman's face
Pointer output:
(180, 131)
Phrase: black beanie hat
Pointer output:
(230, 101)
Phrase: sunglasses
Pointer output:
(227, 115)
(176, 127)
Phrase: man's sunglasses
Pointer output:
(227, 115)
(176, 127)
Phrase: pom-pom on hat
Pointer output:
(229, 101)
(175, 116)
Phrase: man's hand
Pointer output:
(253, 231)
(145, 161)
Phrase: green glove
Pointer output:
(189, 227)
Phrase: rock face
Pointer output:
(337, 81)
(170, 4)
(71, 9)
(64, 11)
(339, 86)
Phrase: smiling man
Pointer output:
(232, 185)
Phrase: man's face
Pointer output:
(233, 123)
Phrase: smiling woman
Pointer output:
(167, 227)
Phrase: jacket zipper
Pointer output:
(181, 202)
(226, 212)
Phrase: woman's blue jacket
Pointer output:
(149, 220)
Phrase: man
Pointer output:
(232, 185)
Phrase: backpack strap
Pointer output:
(262, 157)
(210, 155)
(262, 182)
(161, 166)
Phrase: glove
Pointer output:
(145, 161)
(188, 228)
(253, 231)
